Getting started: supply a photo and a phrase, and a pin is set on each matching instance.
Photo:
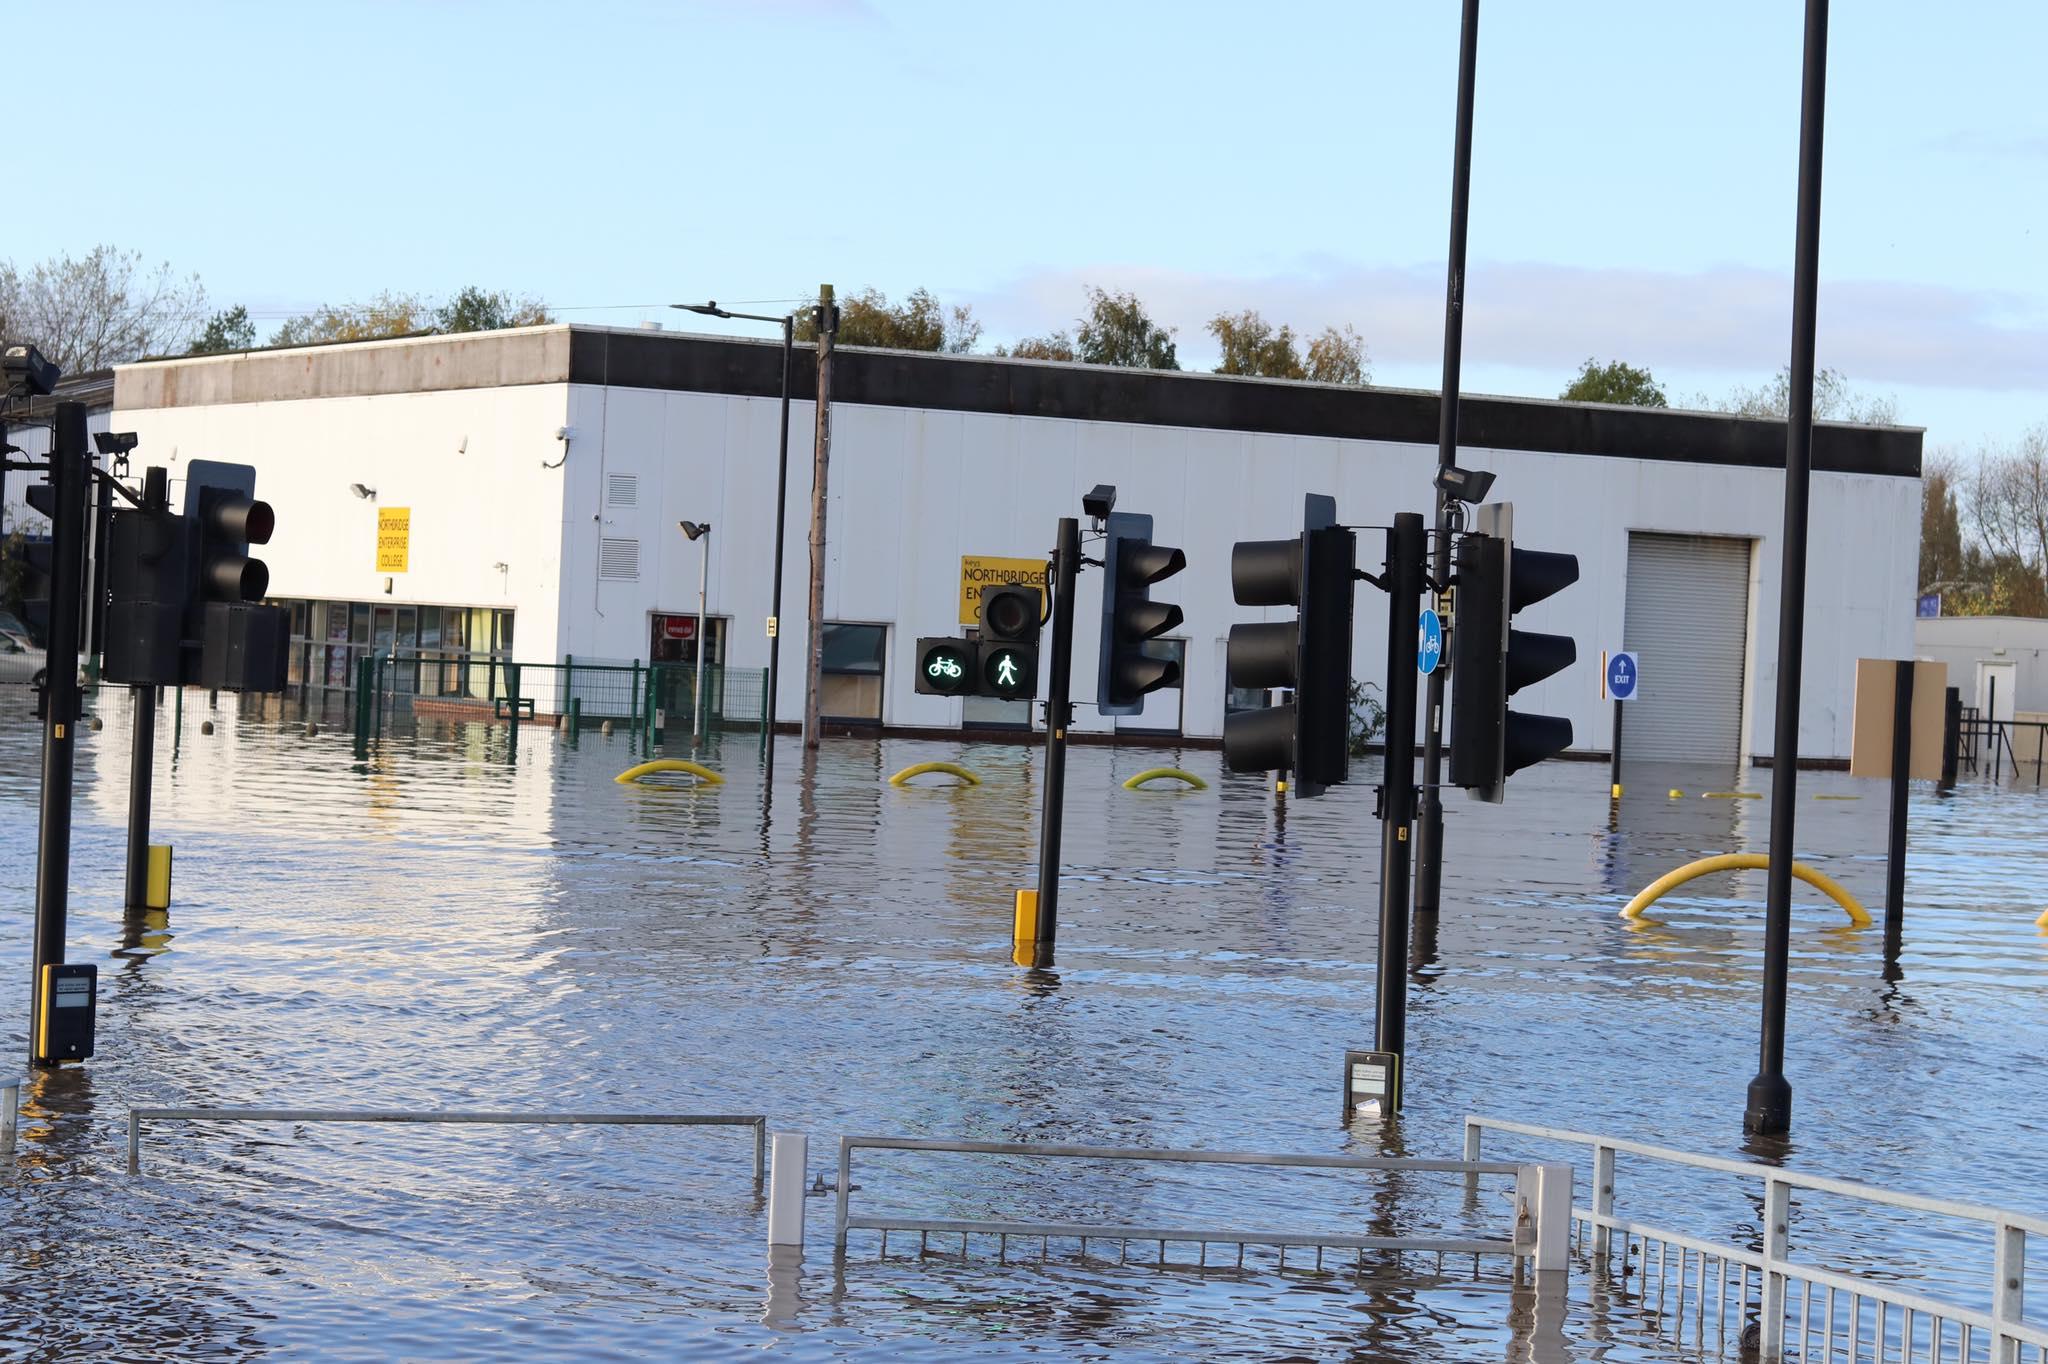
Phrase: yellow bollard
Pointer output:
(156, 892)
(1024, 928)
(1859, 917)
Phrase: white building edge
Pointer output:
(545, 471)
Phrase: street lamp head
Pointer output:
(367, 494)
(710, 309)
(694, 530)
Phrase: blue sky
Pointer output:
(1632, 186)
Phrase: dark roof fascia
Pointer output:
(1025, 388)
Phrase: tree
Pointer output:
(1057, 346)
(99, 310)
(1614, 382)
(224, 332)
(1338, 357)
(1833, 400)
(1944, 563)
(2008, 507)
(920, 322)
(1251, 345)
(1116, 331)
(473, 310)
(385, 316)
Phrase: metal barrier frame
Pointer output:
(137, 1116)
(1530, 1238)
(2003, 1325)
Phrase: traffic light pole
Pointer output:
(1769, 1107)
(1429, 834)
(68, 478)
(1404, 580)
(1059, 713)
(142, 747)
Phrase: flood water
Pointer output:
(439, 927)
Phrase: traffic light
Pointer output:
(1491, 660)
(1007, 657)
(149, 584)
(242, 646)
(39, 564)
(1309, 735)
(946, 667)
(1131, 564)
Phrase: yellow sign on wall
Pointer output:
(394, 538)
(978, 571)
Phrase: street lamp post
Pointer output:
(700, 532)
(781, 508)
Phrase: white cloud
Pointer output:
(1727, 319)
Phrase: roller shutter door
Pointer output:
(1688, 617)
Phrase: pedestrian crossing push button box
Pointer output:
(64, 1021)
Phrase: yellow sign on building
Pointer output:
(978, 571)
(394, 538)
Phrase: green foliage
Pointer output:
(385, 316)
(1058, 346)
(1338, 357)
(1833, 400)
(1251, 345)
(474, 310)
(225, 332)
(1368, 717)
(391, 315)
(1614, 382)
(920, 322)
(1943, 559)
(1116, 331)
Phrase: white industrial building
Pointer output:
(544, 472)
(1997, 664)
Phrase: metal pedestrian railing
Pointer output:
(1882, 1318)
(138, 1116)
(1539, 1190)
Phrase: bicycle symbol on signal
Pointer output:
(946, 666)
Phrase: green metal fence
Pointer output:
(733, 699)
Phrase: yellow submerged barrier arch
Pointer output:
(648, 769)
(920, 769)
(1194, 782)
(1706, 866)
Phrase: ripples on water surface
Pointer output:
(439, 928)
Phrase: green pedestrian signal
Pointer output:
(1007, 673)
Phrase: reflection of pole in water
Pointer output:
(785, 1286)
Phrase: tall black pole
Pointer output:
(1059, 713)
(142, 748)
(1769, 1110)
(1429, 840)
(1895, 847)
(69, 466)
(1614, 755)
(775, 599)
(1406, 551)
(96, 614)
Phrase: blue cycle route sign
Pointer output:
(1429, 642)
(1623, 676)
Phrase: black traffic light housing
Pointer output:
(1311, 654)
(149, 587)
(1006, 660)
(1002, 662)
(241, 646)
(946, 666)
(1491, 660)
(1131, 564)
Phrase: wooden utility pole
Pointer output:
(814, 655)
